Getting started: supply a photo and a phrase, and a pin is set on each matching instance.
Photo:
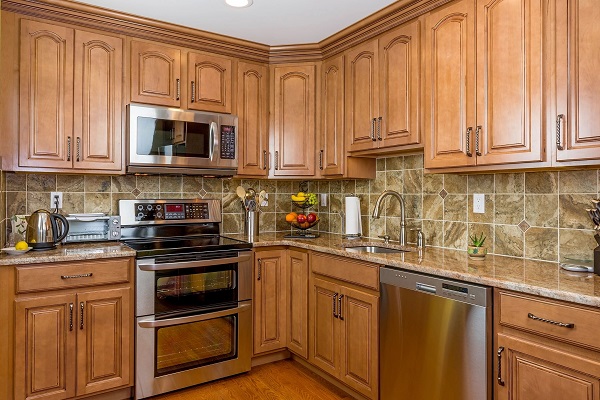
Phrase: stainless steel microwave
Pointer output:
(172, 141)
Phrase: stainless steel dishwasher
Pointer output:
(435, 338)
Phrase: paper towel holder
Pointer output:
(345, 235)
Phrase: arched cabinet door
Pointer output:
(209, 80)
(155, 74)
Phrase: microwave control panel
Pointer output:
(228, 142)
(171, 211)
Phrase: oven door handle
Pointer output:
(193, 318)
(189, 264)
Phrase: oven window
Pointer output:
(186, 346)
(161, 137)
(181, 290)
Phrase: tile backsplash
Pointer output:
(536, 215)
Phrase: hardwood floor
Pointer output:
(280, 380)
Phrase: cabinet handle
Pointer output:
(68, 148)
(78, 148)
(373, 130)
(178, 89)
(81, 306)
(259, 269)
(193, 91)
(70, 316)
(276, 160)
(469, 133)
(559, 118)
(477, 133)
(335, 295)
(500, 381)
(89, 274)
(340, 307)
(264, 160)
(321, 160)
(549, 321)
(379, 128)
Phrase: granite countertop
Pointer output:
(70, 252)
(534, 277)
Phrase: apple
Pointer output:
(301, 218)
(310, 218)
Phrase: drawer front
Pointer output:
(44, 277)
(566, 322)
(346, 269)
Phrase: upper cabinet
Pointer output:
(383, 91)
(253, 118)
(485, 83)
(577, 137)
(294, 119)
(156, 78)
(70, 99)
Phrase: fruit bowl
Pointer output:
(304, 225)
(14, 252)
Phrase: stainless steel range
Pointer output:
(193, 294)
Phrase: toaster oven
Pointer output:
(93, 228)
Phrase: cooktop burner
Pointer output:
(186, 244)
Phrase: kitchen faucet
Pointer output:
(377, 210)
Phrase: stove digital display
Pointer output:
(173, 208)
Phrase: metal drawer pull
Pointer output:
(68, 148)
(152, 323)
(321, 160)
(334, 301)
(276, 160)
(70, 316)
(178, 89)
(193, 91)
(148, 265)
(500, 381)
(379, 128)
(559, 145)
(89, 274)
(549, 321)
(340, 307)
(264, 160)
(81, 306)
(373, 138)
(78, 149)
(477, 133)
(468, 144)
(259, 269)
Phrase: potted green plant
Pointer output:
(476, 249)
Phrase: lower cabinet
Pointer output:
(297, 302)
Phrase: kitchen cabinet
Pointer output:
(297, 302)
(576, 136)
(269, 301)
(537, 357)
(294, 120)
(383, 91)
(70, 99)
(157, 71)
(73, 332)
(343, 324)
(253, 118)
(484, 83)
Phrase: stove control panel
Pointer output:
(171, 211)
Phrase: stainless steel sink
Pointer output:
(374, 249)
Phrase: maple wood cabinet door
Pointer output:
(510, 91)
(324, 346)
(98, 104)
(45, 354)
(400, 104)
(294, 127)
(332, 151)
(210, 79)
(533, 371)
(358, 313)
(450, 86)
(104, 331)
(269, 301)
(576, 136)
(253, 118)
(155, 74)
(46, 95)
(362, 96)
(297, 301)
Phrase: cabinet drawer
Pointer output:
(44, 277)
(346, 269)
(543, 315)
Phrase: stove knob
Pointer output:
(115, 222)
(159, 215)
(140, 207)
(140, 215)
(158, 207)
(149, 207)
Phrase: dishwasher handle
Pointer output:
(422, 287)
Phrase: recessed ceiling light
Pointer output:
(239, 3)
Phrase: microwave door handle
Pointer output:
(213, 139)
(148, 265)
(194, 318)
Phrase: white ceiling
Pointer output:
(270, 22)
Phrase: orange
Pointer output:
(291, 217)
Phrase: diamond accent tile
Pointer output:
(136, 192)
(202, 193)
(524, 226)
(443, 193)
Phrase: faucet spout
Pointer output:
(377, 212)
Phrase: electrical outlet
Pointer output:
(265, 202)
(323, 199)
(479, 203)
(54, 196)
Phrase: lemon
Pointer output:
(21, 245)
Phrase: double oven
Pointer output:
(193, 294)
